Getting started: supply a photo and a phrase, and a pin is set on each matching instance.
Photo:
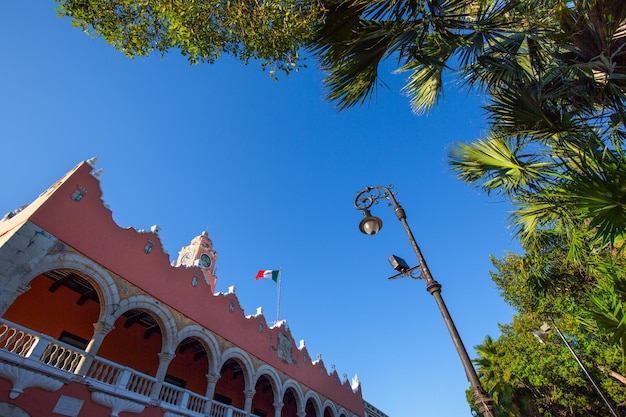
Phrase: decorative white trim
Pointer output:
(273, 377)
(12, 410)
(22, 378)
(297, 390)
(116, 404)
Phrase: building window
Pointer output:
(77, 196)
(73, 340)
(171, 379)
(223, 399)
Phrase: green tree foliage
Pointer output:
(269, 30)
(554, 71)
(527, 378)
(556, 150)
(557, 116)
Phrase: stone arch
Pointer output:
(235, 384)
(267, 391)
(105, 287)
(342, 412)
(296, 390)
(242, 357)
(329, 405)
(290, 383)
(316, 401)
(205, 337)
(163, 315)
(273, 377)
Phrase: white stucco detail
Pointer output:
(116, 404)
(100, 278)
(207, 339)
(162, 314)
(273, 377)
(315, 399)
(331, 406)
(297, 389)
(245, 361)
(22, 378)
(9, 410)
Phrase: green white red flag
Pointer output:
(268, 273)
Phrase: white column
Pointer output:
(278, 406)
(212, 379)
(164, 363)
(101, 329)
(248, 404)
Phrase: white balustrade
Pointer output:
(222, 410)
(111, 373)
(104, 371)
(44, 349)
(17, 339)
(27, 343)
(238, 413)
(61, 356)
(140, 383)
(184, 399)
(196, 402)
(170, 394)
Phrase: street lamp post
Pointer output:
(541, 335)
(370, 225)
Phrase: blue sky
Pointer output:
(271, 170)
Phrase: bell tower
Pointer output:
(200, 253)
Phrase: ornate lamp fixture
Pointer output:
(370, 225)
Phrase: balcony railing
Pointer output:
(29, 345)
(182, 398)
(222, 410)
(113, 374)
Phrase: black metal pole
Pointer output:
(483, 401)
(587, 374)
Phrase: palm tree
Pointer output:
(557, 125)
(426, 37)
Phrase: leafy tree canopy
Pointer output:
(528, 378)
(269, 30)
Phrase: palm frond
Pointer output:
(495, 164)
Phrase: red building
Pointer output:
(95, 322)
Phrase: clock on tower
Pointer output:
(200, 253)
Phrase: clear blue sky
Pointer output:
(271, 169)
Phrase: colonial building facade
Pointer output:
(95, 321)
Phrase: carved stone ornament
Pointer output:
(22, 378)
(284, 348)
(116, 404)
(11, 410)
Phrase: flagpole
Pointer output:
(280, 278)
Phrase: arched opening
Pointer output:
(61, 304)
(189, 367)
(328, 412)
(290, 404)
(263, 400)
(140, 334)
(309, 409)
(231, 385)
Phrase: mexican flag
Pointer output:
(268, 273)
